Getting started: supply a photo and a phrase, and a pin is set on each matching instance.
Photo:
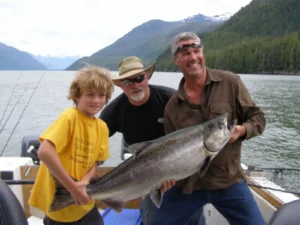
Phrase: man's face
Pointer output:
(136, 88)
(190, 58)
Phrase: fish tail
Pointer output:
(62, 197)
(116, 205)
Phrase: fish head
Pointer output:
(217, 132)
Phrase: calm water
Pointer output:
(22, 113)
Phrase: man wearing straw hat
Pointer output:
(138, 112)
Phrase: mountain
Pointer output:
(265, 18)
(147, 41)
(14, 59)
(263, 37)
(56, 62)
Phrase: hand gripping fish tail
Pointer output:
(62, 197)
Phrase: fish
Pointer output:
(174, 156)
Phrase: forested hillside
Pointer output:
(146, 41)
(263, 37)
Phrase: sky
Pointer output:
(82, 27)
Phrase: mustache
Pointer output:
(137, 89)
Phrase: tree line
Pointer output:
(229, 51)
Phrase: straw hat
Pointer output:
(130, 67)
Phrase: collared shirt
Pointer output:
(223, 92)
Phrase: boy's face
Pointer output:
(91, 102)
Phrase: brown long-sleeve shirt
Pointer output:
(223, 92)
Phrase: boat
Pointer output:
(18, 174)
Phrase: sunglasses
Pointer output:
(138, 79)
(183, 48)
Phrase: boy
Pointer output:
(71, 147)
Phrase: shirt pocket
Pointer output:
(218, 109)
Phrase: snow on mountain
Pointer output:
(216, 18)
(59, 62)
(223, 17)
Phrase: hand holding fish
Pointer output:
(238, 131)
(167, 185)
(79, 193)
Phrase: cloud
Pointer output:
(82, 27)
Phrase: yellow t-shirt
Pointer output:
(80, 142)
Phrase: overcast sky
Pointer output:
(82, 27)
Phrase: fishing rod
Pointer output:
(274, 189)
(12, 111)
(280, 170)
(276, 171)
(273, 169)
(9, 101)
(10, 97)
(18, 121)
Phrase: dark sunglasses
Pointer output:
(183, 48)
(138, 79)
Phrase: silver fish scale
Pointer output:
(175, 158)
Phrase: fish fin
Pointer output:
(156, 197)
(62, 197)
(114, 204)
(188, 187)
(135, 149)
(205, 166)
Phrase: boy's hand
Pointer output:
(167, 185)
(79, 193)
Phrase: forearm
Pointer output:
(255, 125)
(90, 174)
(250, 115)
(47, 154)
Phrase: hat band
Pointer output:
(126, 71)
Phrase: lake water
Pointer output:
(31, 101)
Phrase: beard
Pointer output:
(138, 97)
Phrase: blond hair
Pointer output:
(91, 77)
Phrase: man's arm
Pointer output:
(252, 117)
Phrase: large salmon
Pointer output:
(174, 156)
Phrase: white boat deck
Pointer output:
(33, 220)
(12, 164)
